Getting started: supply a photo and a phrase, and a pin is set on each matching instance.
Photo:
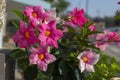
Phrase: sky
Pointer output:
(99, 7)
(96, 8)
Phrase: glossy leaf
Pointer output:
(49, 70)
(87, 24)
(71, 30)
(17, 53)
(41, 76)
(23, 63)
(30, 73)
(92, 32)
(67, 71)
(16, 24)
(19, 14)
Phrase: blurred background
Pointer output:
(102, 12)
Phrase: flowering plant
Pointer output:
(50, 48)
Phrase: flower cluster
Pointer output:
(73, 41)
(106, 38)
(40, 30)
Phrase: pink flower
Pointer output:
(25, 36)
(34, 14)
(87, 60)
(49, 34)
(112, 36)
(106, 38)
(102, 41)
(101, 36)
(76, 17)
(49, 15)
(92, 28)
(102, 45)
(41, 57)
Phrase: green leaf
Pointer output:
(56, 73)
(89, 23)
(78, 74)
(41, 76)
(46, 75)
(17, 53)
(117, 17)
(49, 69)
(92, 32)
(16, 24)
(84, 31)
(83, 43)
(71, 30)
(93, 47)
(19, 14)
(66, 68)
(23, 63)
(30, 73)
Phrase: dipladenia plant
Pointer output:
(52, 48)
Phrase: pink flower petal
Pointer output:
(90, 68)
(42, 65)
(34, 50)
(42, 39)
(52, 42)
(33, 58)
(50, 58)
(82, 66)
(52, 25)
(23, 26)
(23, 44)
(42, 27)
(57, 34)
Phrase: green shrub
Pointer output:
(106, 68)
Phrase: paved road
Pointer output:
(113, 51)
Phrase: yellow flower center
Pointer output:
(41, 56)
(85, 59)
(34, 14)
(47, 33)
(27, 35)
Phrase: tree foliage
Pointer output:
(117, 19)
(60, 5)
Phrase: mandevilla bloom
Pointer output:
(102, 45)
(112, 36)
(92, 28)
(49, 34)
(87, 60)
(41, 57)
(34, 14)
(106, 38)
(49, 15)
(76, 17)
(102, 41)
(25, 36)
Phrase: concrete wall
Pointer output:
(2, 20)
